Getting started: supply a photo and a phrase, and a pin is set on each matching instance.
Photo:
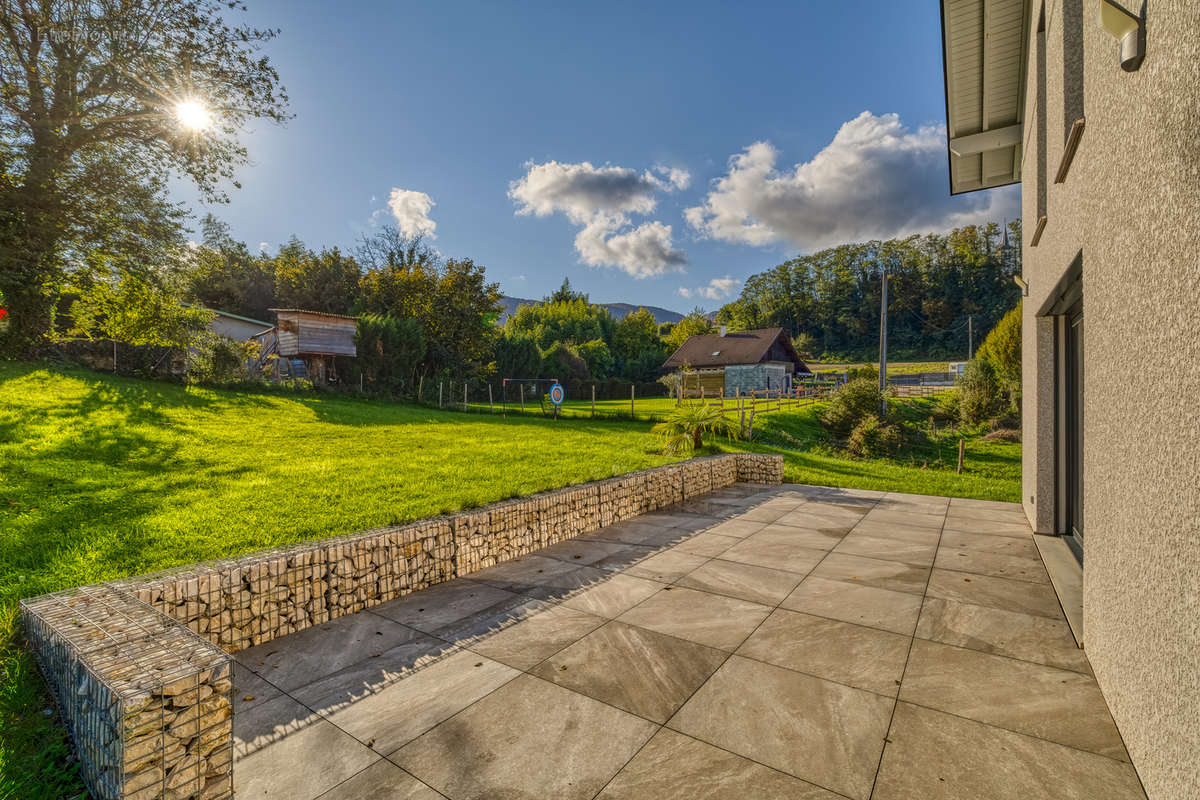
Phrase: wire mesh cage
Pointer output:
(148, 704)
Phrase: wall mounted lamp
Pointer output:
(1126, 28)
(1019, 281)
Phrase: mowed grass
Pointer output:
(103, 477)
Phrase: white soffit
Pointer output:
(984, 48)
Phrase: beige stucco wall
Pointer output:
(1131, 204)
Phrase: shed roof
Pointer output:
(307, 311)
(743, 347)
(984, 46)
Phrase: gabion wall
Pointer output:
(140, 667)
(148, 703)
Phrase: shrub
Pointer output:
(562, 361)
(1001, 349)
(978, 393)
(217, 360)
(1003, 435)
(874, 437)
(684, 428)
(598, 357)
(389, 351)
(855, 400)
(945, 406)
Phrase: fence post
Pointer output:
(464, 394)
(491, 405)
(961, 455)
(439, 394)
(632, 388)
(420, 387)
(593, 401)
(522, 398)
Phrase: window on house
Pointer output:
(1072, 64)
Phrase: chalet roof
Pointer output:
(308, 311)
(743, 347)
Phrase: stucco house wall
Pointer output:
(1130, 205)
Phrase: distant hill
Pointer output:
(618, 310)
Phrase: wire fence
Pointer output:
(486, 398)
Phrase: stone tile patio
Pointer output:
(766, 642)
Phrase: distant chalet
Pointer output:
(728, 363)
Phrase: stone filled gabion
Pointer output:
(149, 704)
(140, 667)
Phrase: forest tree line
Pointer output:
(939, 285)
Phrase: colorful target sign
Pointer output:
(557, 395)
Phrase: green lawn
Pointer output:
(103, 477)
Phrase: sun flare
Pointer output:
(192, 115)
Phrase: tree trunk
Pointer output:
(697, 438)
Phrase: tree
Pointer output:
(225, 276)
(935, 282)
(562, 361)
(121, 304)
(517, 357)
(598, 357)
(453, 302)
(325, 281)
(694, 324)
(389, 352)
(565, 294)
(1002, 349)
(573, 321)
(90, 135)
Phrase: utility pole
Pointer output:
(970, 336)
(883, 304)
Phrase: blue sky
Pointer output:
(653, 154)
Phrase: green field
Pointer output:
(894, 367)
(104, 477)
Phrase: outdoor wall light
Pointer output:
(1019, 281)
(1126, 29)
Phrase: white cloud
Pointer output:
(263, 247)
(678, 178)
(519, 278)
(717, 289)
(600, 200)
(876, 179)
(643, 252)
(411, 210)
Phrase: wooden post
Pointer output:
(632, 388)
(439, 394)
(593, 401)
(491, 405)
(420, 387)
(961, 455)
(464, 394)
(522, 398)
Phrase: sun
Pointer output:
(192, 115)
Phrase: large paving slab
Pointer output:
(761, 641)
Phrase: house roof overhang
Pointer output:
(984, 49)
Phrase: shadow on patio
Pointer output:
(758, 642)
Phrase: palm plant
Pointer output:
(684, 429)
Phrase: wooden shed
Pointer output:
(313, 337)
